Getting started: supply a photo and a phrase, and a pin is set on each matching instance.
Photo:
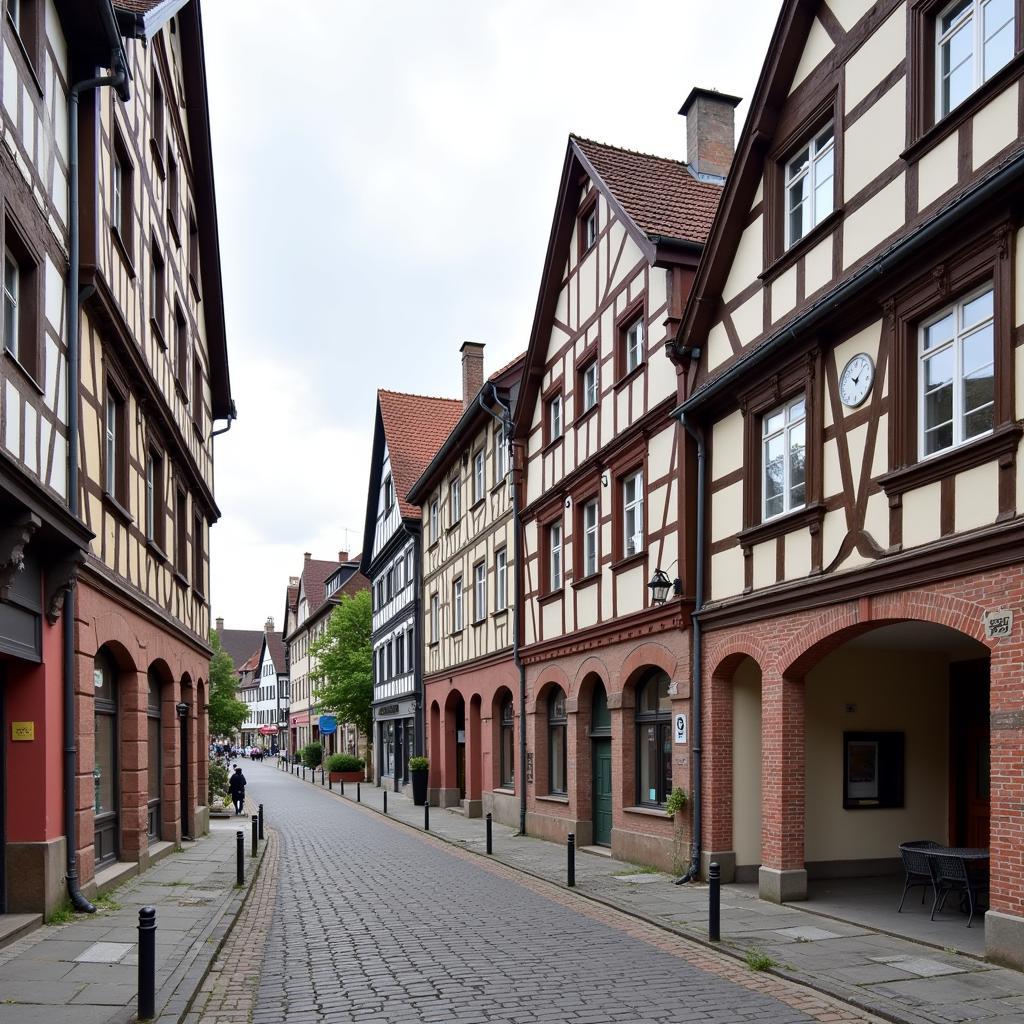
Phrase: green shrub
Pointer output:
(677, 801)
(312, 754)
(217, 780)
(418, 764)
(345, 763)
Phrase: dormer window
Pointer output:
(810, 185)
(973, 40)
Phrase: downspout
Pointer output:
(419, 697)
(119, 81)
(696, 661)
(506, 425)
(232, 416)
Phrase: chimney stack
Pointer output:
(270, 624)
(306, 556)
(293, 581)
(472, 371)
(710, 132)
(220, 624)
(342, 556)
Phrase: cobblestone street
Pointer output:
(373, 922)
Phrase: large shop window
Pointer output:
(783, 458)
(957, 374)
(508, 741)
(973, 40)
(557, 745)
(654, 740)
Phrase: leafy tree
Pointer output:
(227, 713)
(342, 657)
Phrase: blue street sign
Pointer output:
(328, 724)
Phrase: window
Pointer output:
(783, 458)
(435, 509)
(632, 514)
(116, 447)
(409, 576)
(390, 659)
(479, 480)
(589, 380)
(198, 575)
(193, 250)
(555, 556)
(21, 320)
(457, 605)
(12, 281)
(810, 185)
(654, 740)
(121, 175)
(155, 514)
(957, 373)
(501, 580)
(588, 227)
(557, 745)
(400, 655)
(197, 392)
(181, 533)
(507, 777)
(554, 418)
(633, 345)
(181, 349)
(479, 592)
(389, 494)
(455, 500)
(158, 112)
(500, 455)
(590, 540)
(157, 278)
(172, 192)
(410, 644)
(973, 40)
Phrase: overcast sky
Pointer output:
(386, 178)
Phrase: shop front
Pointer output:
(395, 727)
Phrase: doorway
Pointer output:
(460, 747)
(3, 790)
(183, 726)
(601, 752)
(106, 796)
(154, 754)
(969, 809)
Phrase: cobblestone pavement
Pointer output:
(376, 923)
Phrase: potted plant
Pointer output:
(346, 768)
(419, 768)
(312, 754)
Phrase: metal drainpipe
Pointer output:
(506, 425)
(419, 698)
(78, 899)
(696, 660)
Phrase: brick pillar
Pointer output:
(202, 747)
(1004, 922)
(474, 760)
(132, 769)
(782, 876)
(85, 787)
(716, 776)
(170, 794)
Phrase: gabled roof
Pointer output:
(240, 644)
(313, 579)
(273, 643)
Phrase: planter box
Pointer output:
(419, 786)
(359, 775)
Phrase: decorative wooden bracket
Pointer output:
(61, 575)
(14, 539)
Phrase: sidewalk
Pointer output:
(86, 971)
(896, 978)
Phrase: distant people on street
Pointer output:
(237, 786)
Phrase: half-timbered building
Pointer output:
(470, 681)
(603, 484)
(851, 352)
(408, 431)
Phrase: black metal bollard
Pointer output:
(570, 853)
(490, 844)
(261, 821)
(239, 857)
(426, 816)
(385, 801)
(147, 963)
(342, 784)
(359, 797)
(255, 832)
(330, 785)
(714, 902)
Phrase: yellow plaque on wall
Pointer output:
(23, 731)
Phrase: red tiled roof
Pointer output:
(415, 427)
(292, 598)
(508, 366)
(240, 644)
(314, 576)
(275, 647)
(660, 195)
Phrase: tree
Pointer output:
(342, 657)
(227, 712)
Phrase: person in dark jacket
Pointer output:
(237, 786)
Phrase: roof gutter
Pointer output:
(956, 213)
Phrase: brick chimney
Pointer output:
(472, 371)
(710, 132)
(306, 556)
(342, 556)
(220, 624)
(269, 627)
(293, 581)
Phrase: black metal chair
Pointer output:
(917, 868)
(952, 874)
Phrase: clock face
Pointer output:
(855, 383)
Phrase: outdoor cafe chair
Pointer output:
(916, 865)
(951, 873)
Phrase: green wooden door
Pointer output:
(602, 748)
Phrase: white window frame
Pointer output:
(591, 522)
(480, 592)
(455, 500)
(591, 380)
(590, 231)
(117, 188)
(555, 556)
(972, 21)
(555, 418)
(150, 496)
(501, 580)
(810, 172)
(389, 493)
(435, 618)
(500, 455)
(634, 342)
(457, 618)
(110, 474)
(435, 520)
(790, 422)
(956, 343)
(633, 514)
(12, 291)
(479, 476)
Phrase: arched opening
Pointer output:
(653, 718)
(746, 769)
(506, 739)
(453, 767)
(435, 753)
(601, 763)
(186, 746)
(557, 746)
(154, 752)
(107, 791)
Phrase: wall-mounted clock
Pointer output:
(855, 382)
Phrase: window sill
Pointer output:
(626, 379)
(507, 791)
(194, 285)
(550, 597)
(172, 223)
(433, 544)
(158, 158)
(180, 388)
(479, 622)
(434, 643)
(553, 798)
(785, 260)
(180, 578)
(648, 812)
(1001, 443)
(117, 508)
(586, 581)
(629, 561)
(586, 414)
(454, 526)
(22, 371)
(158, 332)
(552, 444)
(198, 431)
(932, 136)
(476, 504)
(156, 551)
(500, 613)
(810, 515)
(503, 482)
(455, 634)
(122, 248)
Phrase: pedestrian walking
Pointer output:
(237, 786)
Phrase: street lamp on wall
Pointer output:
(660, 585)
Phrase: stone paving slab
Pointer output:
(954, 986)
